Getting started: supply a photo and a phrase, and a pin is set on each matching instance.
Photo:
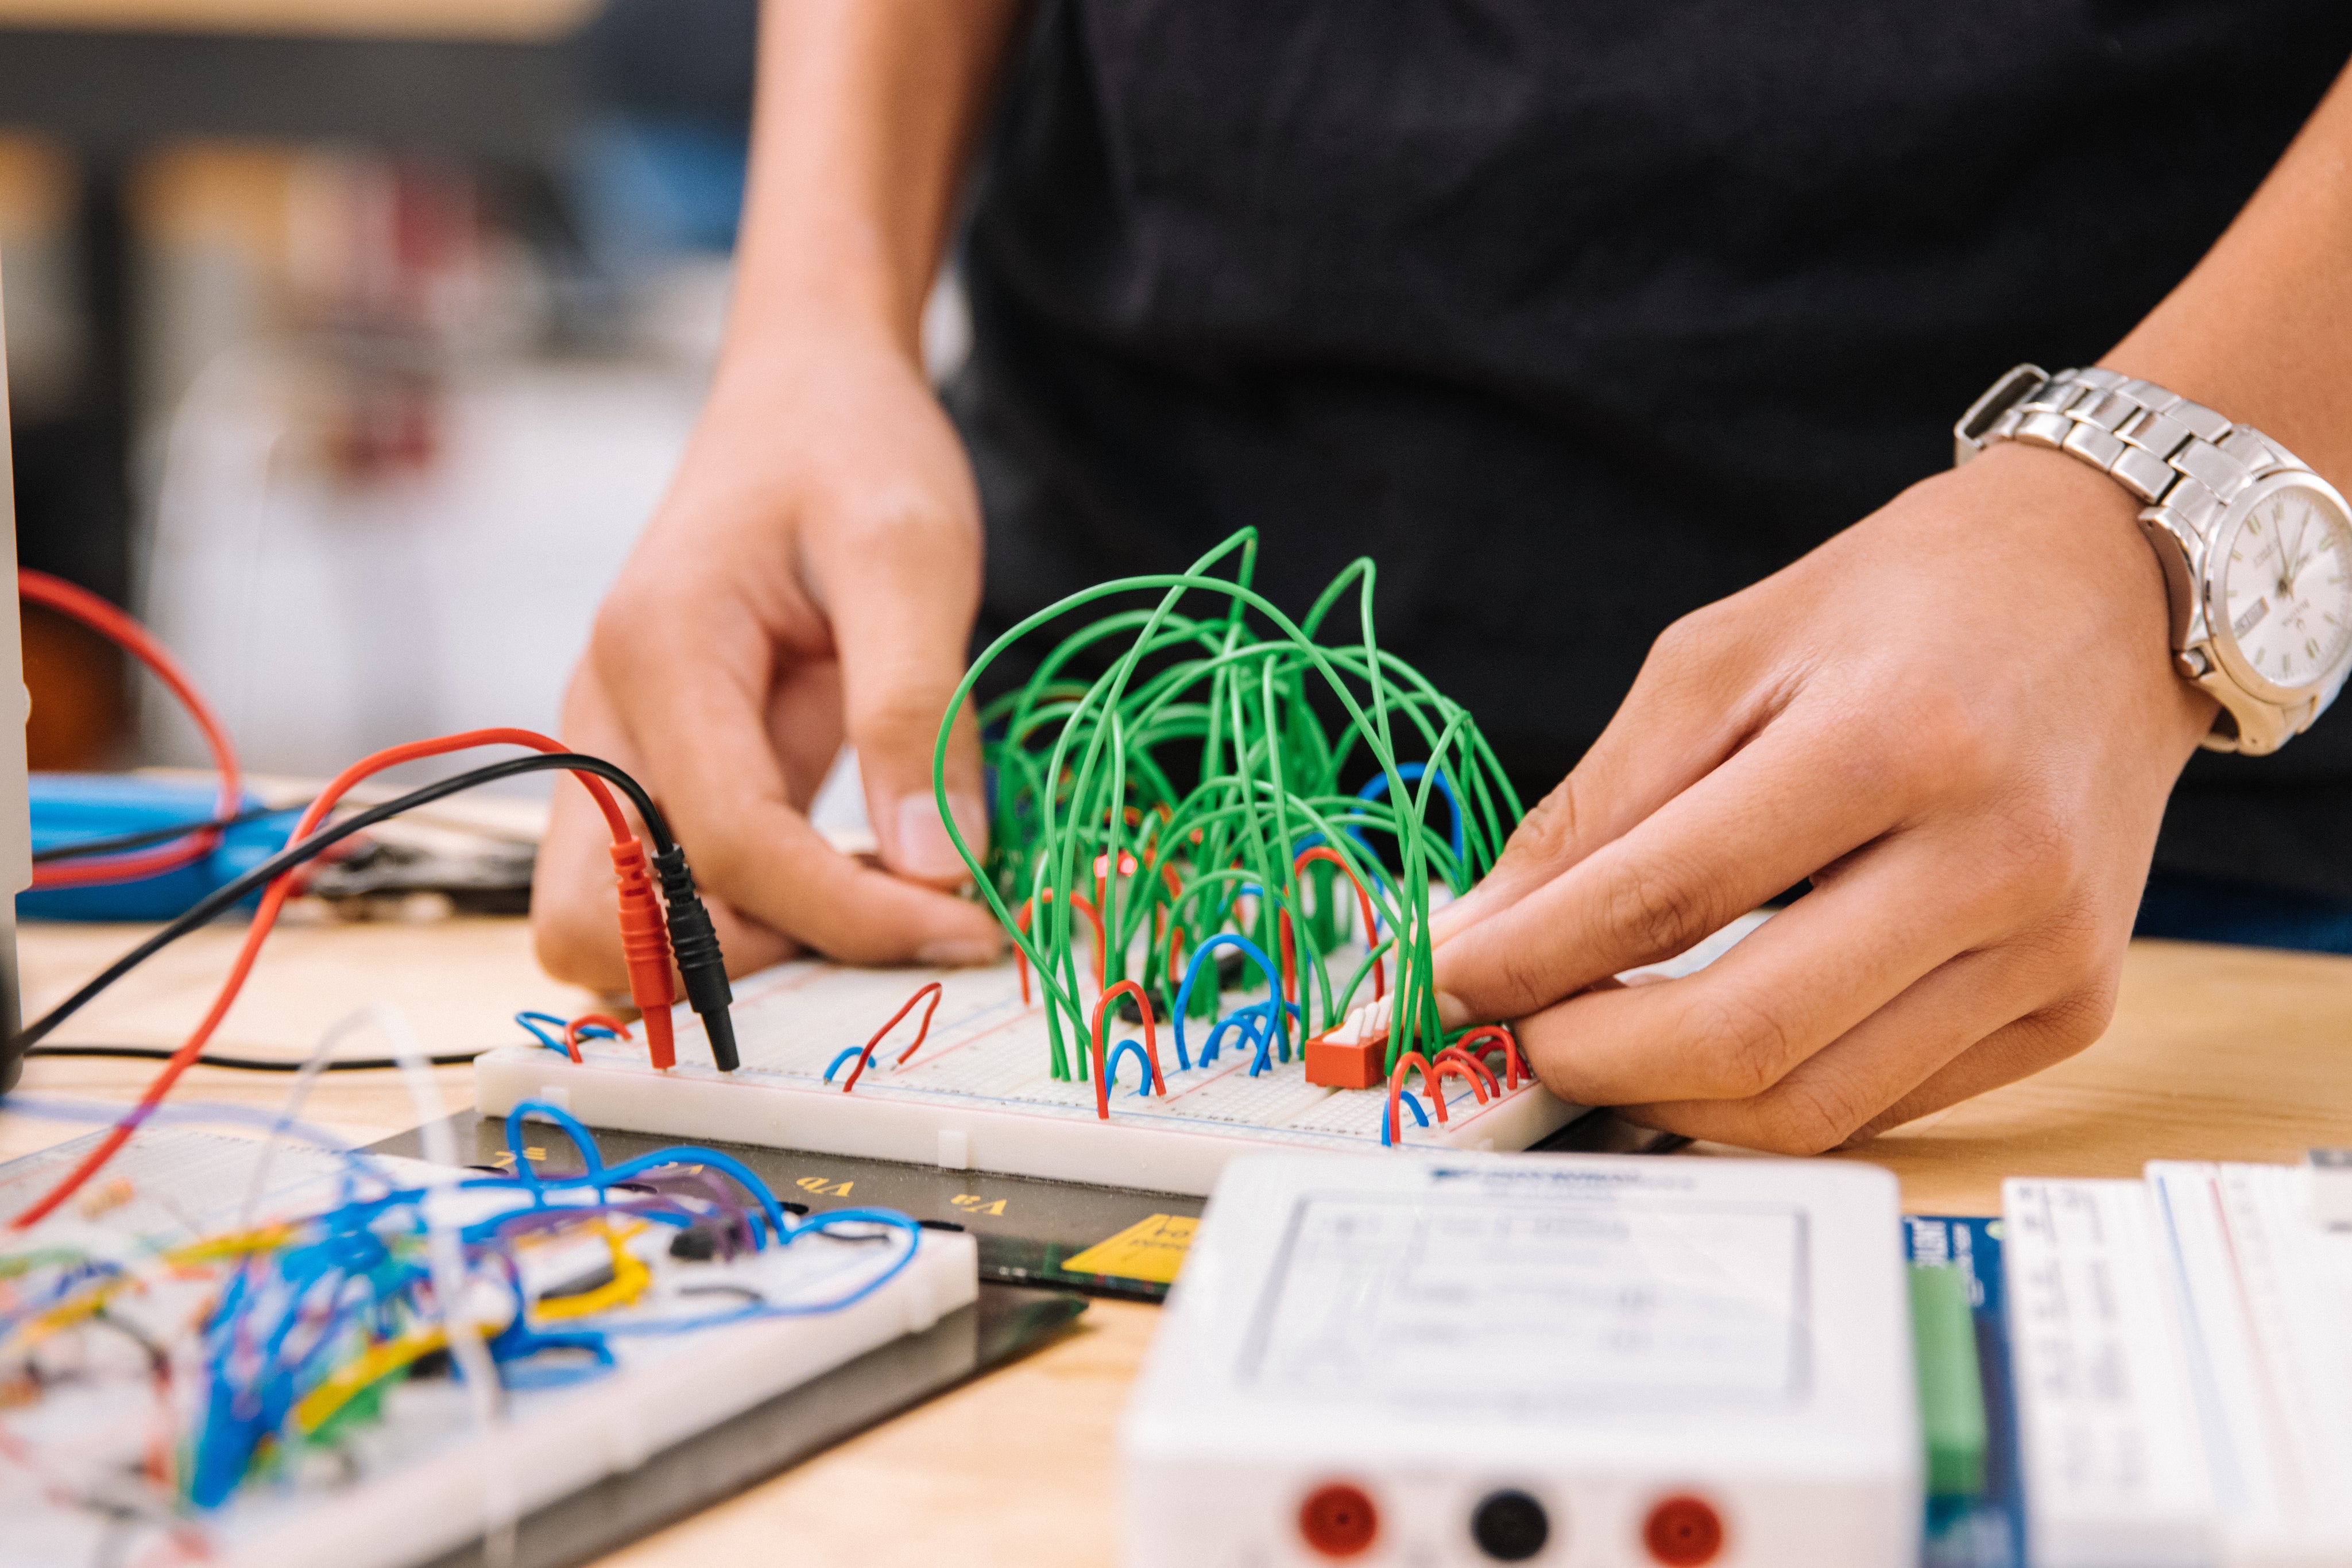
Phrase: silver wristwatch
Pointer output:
(2257, 548)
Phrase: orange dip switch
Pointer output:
(1336, 1058)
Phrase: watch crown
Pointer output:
(2191, 663)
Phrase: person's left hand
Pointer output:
(1960, 719)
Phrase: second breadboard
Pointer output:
(2183, 1367)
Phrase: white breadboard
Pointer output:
(978, 1095)
(1635, 1360)
(2182, 1349)
(427, 1477)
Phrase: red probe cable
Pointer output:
(80, 604)
(275, 897)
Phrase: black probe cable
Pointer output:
(141, 839)
(253, 1063)
(692, 941)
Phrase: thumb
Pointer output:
(1673, 730)
(896, 747)
(901, 603)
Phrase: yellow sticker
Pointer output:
(1151, 1249)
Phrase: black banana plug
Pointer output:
(699, 963)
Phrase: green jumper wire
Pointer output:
(1084, 791)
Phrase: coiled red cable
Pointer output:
(80, 604)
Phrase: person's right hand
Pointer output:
(811, 578)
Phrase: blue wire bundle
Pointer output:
(355, 1277)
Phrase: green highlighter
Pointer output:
(1951, 1390)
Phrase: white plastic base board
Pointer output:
(978, 1095)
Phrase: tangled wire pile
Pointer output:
(268, 1341)
(1244, 852)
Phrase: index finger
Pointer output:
(691, 691)
(1673, 728)
(1774, 814)
(901, 587)
(1811, 977)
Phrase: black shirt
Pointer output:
(1576, 317)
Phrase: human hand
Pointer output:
(1960, 719)
(811, 577)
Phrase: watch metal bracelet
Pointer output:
(2186, 462)
(2177, 455)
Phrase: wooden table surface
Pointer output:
(2215, 1053)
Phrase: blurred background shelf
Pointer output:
(352, 342)
(525, 19)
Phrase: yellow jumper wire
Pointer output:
(629, 1281)
(347, 1382)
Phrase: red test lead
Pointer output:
(645, 948)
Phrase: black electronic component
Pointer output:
(1130, 1012)
(1231, 966)
(594, 1278)
(695, 1244)
(1509, 1526)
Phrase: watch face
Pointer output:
(2286, 598)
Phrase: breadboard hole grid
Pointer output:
(985, 1045)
